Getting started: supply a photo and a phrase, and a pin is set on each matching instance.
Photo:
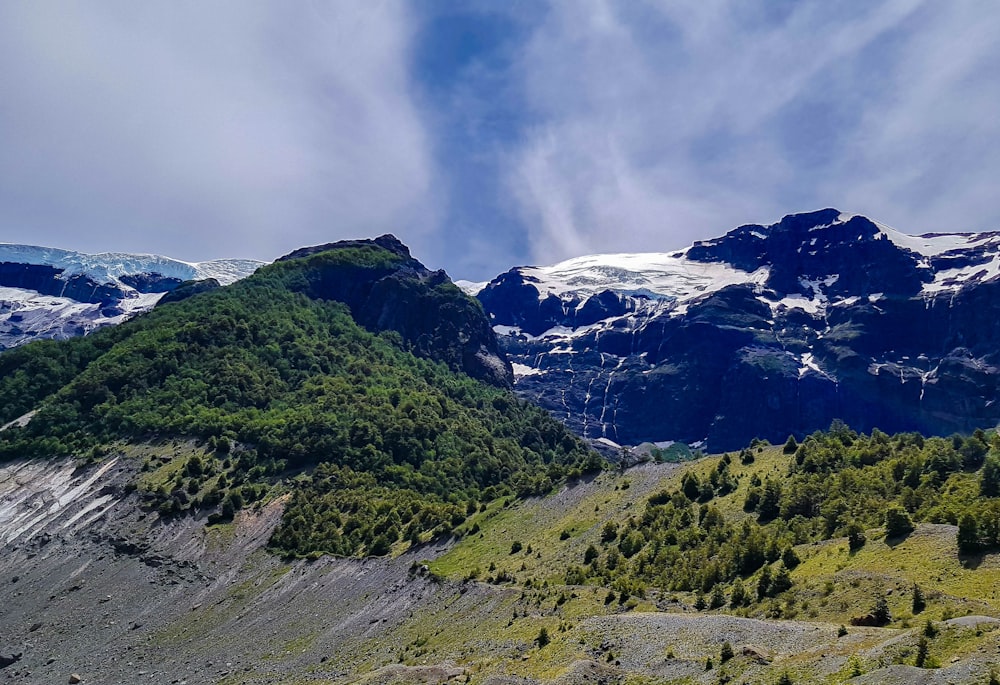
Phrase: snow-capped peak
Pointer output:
(109, 267)
(89, 291)
(937, 244)
(657, 275)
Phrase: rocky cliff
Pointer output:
(386, 289)
(764, 332)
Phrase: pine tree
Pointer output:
(781, 581)
(881, 610)
(726, 653)
(790, 445)
(543, 637)
(922, 650)
(691, 486)
(770, 501)
(968, 534)
(989, 478)
(764, 582)
(718, 598)
(855, 536)
(738, 595)
(919, 603)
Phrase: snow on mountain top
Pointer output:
(930, 244)
(471, 288)
(672, 276)
(655, 275)
(108, 267)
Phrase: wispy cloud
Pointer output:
(488, 134)
(659, 123)
(209, 129)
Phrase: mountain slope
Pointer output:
(53, 293)
(281, 381)
(766, 331)
(120, 595)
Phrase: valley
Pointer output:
(129, 598)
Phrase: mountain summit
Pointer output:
(763, 332)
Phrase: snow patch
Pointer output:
(809, 364)
(109, 267)
(809, 305)
(26, 315)
(471, 288)
(935, 244)
(954, 279)
(522, 370)
(654, 274)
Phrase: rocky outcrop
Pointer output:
(764, 332)
(48, 280)
(9, 656)
(189, 289)
(386, 289)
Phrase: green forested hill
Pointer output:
(755, 532)
(731, 530)
(381, 445)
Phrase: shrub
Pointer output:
(856, 538)
(897, 522)
(726, 653)
(543, 638)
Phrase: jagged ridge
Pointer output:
(766, 331)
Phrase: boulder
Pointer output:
(9, 656)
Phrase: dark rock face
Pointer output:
(151, 283)
(189, 289)
(839, 325)
(806, 247)
(48, 280)
(388, 290)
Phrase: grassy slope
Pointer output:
(830, 587)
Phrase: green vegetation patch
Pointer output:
(288, 392)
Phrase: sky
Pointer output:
(488, 134)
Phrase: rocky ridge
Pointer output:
(764, 332)
(391, 291)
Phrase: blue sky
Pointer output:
(489, 134)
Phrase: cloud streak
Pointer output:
(489, 134)
(209, 129)
(661, 123)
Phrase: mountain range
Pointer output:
(320, 474)
(764, 332)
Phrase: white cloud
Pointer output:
(208, 129)
(659, 123)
